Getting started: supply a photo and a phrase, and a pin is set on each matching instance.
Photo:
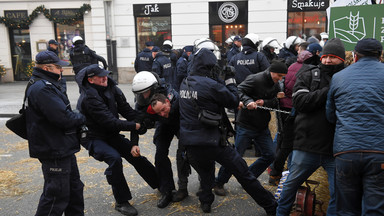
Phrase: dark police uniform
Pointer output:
(181, 69)
(144, 61)
(203, 142)
(82, 56)
(166, 129)
(102, 106)
(248, 62)
(162, 66)
(53, 140)
(232, 52)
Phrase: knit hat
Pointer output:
(278, 66)
(334, 47)
(369, 47)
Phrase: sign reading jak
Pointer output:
(308, 5)
(152, 9)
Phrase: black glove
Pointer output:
(142, 130)
(229, 72)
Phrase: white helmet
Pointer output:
(208, 44)
(144, 85)
(253, 37)
(271, 42)
(168, 42)
(77, 39)
(323, 35)
(292, 40)
(230, 39)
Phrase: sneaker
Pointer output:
(180, 195)
(205, 207)
(126, 209)
(274, 180)
(219, 190)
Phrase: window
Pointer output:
(155, 29)
(64, 35)
(305, 24)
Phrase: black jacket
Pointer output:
(102, 106)
(82, 56)
(52, 125)
(144, 61)
(254, 87)
(313, 133)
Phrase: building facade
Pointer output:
(118, 29)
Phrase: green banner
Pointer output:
(354, 23)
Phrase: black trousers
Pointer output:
(111, 151)
(63, 189)
(163, 137)
(202, 159)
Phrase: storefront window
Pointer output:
(64, 35)
(153, 23)
(305, 24)
(155, 29)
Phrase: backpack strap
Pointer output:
(30, 83)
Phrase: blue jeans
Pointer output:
(360, 184)
(243, 138)
(302, 166)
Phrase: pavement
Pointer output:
(21, 179)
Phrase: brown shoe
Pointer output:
(219, 190)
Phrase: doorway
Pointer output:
(20, 44)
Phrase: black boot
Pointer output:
(206, 207)
(164, 201)
(180, 195)
(126, 209)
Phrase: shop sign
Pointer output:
(307, 5)
(228, 12)
(152, 9)
(354, 23)
(16, 14)
(64, 13)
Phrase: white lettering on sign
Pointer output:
(186, 94)
(228, 12)
(307, 4)
(382, 39)
(151, 9)
(382, 20)
(382, 30)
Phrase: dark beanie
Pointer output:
(334, 47)
(278, 66)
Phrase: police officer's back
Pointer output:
(144, 59)
(81, 55)
(162, 66)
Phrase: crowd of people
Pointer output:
(329, 114)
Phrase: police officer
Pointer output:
(205, 139)
(162, 66)
(82, 56)
(53, 46)
(236, 46)
(249, 60)
(269, 46)
(182, 66)
(145, 86)
(289, 51)
(144, 59)
(169, 52)
(52, 138)
(101, 101)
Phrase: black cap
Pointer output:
(49, 57)
(188, 48)
(155, 49)
(369, 47)
(334, 47)
(96, 70)
(149, 43)
(278, 66)
(237, 38)
(53, 42)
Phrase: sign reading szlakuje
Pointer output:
(354, 23)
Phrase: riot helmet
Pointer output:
(77, 40)
(144, 85)
(271, 42)
(292, 42)
(208, 44)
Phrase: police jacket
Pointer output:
(313, 133)
(81, 56)
(232, 52)
(52, 125)
(255, 87)
(102, 106)
(181, 69)
(144, 60)
(288, 55)
(247, 62)
(355, 104)
(162, 66)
